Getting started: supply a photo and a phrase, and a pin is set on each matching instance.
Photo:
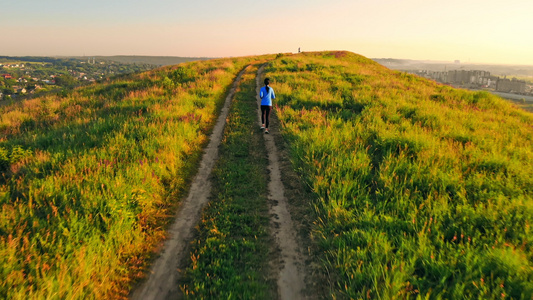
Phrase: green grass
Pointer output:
(421, 190)
(89, 180)
(230, 255)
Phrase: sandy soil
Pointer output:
(162, 282)
(290, 266)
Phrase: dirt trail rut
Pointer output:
(162, 282)
(290, 278)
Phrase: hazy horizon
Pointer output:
(486, 32)
(190, 57)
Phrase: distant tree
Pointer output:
(66, 81)
(11, 82)
(8, 91)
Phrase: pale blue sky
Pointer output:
(478, 31)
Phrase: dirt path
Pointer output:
(162, 282)
(290, 279)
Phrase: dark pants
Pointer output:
(265, 114)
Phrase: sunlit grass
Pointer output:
(89, 180)
(421, 189)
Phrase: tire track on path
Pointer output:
(162, 282)
(291, 274)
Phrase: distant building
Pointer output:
(7, 76)
(459, 76)
(492, 80)
(511, 86)
(462, 77)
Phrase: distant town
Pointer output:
(476, 79)
(513, 82)
(27, 76)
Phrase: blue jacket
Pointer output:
(266, 98)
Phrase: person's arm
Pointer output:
(261, 93)
(273, 94)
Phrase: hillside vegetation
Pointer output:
(421, 189)
(88, 180)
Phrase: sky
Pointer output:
(472, 31)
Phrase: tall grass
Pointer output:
(421, 190)
(89, 180)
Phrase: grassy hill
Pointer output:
(421, 189)
(418, 189)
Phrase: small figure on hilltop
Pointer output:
(298, 49)
(266, 94)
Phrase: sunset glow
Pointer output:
(471, 31)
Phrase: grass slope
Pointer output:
(230, 255)
(421, 190)
(89, 180)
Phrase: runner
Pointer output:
(266, 94)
